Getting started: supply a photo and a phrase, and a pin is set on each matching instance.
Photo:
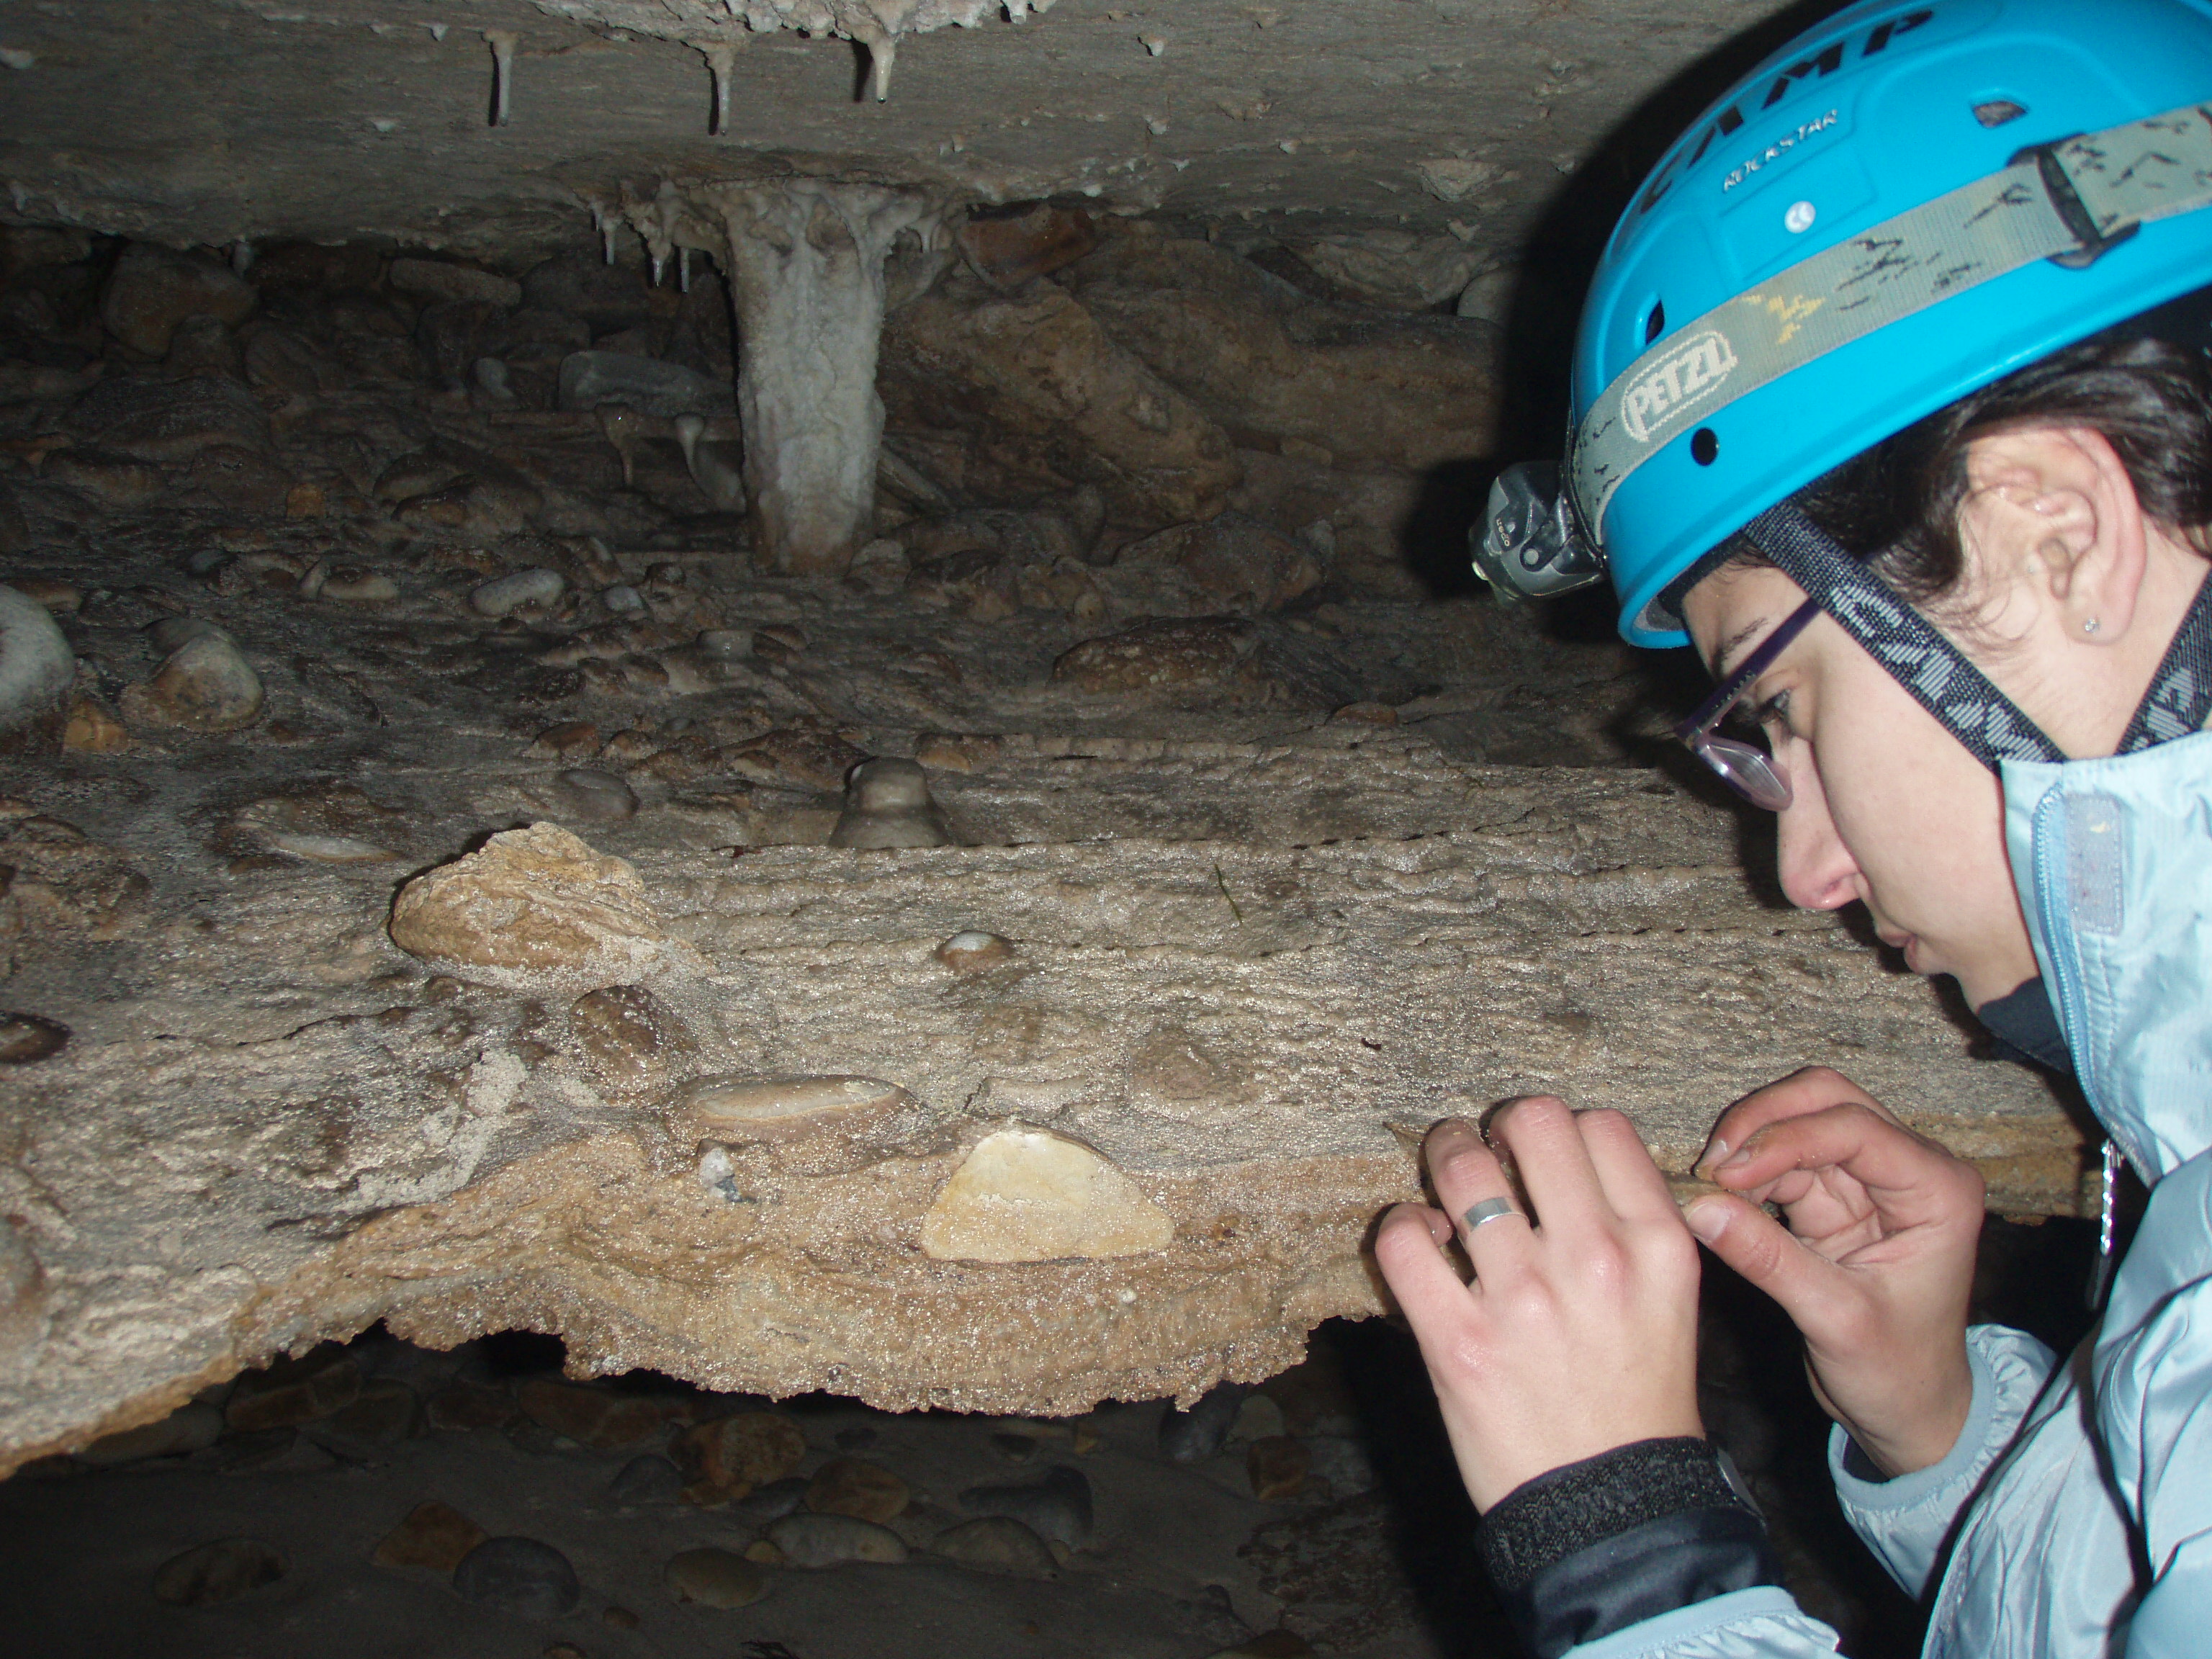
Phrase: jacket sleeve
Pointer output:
(1651, 1548)
(2161, 1460)
(1907, 1522)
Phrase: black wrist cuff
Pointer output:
(1566, 1510)
(1594, 1548)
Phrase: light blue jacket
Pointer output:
(2074, 1518)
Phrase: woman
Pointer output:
(1981, 651)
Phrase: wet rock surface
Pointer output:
(435, 858)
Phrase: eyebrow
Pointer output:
(1729, 646)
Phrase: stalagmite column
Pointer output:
(806, 271)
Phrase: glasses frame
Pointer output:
(1747, 770)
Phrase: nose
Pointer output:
(1818, 870)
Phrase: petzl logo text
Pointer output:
(1688, 374)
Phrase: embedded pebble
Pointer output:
(997, 1543)
(205, 685)
(1277, 1468)
(622, 600)
(887, 803)
(36, 669)
(330, 849)
(519, 1574)
(190, 1428)
(26, 1039)
(589, 1416)
(716, 1578)
(1026, 1195)
(724, 645)
(1058, 1506)
(866, 1491)
(530, 907)
(293, 1391)
(350, 584)
(91, 730)
(629, 1037)
(433, 1535)
(773, 1501)
(597, 796)
(1194, 1436)
(972, 952)
(778, 642)
(732, 1455)
(829, 1540)
(651, 1478)
(782, 1109)
(173, 634)
(387, 1412)
(502, 596)
(1258, 1418)
(220, 1571)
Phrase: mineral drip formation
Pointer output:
(710, 25)
(805, 269)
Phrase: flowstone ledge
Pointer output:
(240, 1152)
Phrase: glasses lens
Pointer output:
(1749, 773)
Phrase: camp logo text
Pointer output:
(1691, 371)
(1775, 151)
(1792, 79)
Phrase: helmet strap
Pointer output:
(2180, 694)
(1914, 651)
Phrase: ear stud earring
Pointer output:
(2090, 625)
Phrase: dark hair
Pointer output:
(2146, 385)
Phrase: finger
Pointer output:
(1415, 1267)
(1899, 1170)
(1467, 1175)
(1763, 1251)
(1812, 1090)
(1552, 1160)
(1630, 1180)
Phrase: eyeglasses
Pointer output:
(1746, 770)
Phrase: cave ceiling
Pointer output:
(214, 122)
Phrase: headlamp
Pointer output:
(1530, 543)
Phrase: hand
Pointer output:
(1876, 1265)
(1579, 1333)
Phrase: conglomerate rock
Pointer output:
(1248, 1031)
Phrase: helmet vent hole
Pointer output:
(1705, 448)
(1998, 111)
(1655, 323)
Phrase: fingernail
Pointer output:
(1714, 1154)
(1708, 1219)
(1734, 1159)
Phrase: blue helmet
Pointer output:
(1908, 202)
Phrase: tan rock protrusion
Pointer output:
(788, 1109)
(631, 1039)
(887, 803)
(205, 685)
(1026, 1195)
(866, 1491)
(974, 951)
(728, 1457)
(528, 907)
(433, 1534)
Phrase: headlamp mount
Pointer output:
(1530, 543)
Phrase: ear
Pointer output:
(2052, 523)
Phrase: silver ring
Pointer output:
(1490, 1209)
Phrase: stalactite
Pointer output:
(721, 59)
(805, 268)
(502, 43)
